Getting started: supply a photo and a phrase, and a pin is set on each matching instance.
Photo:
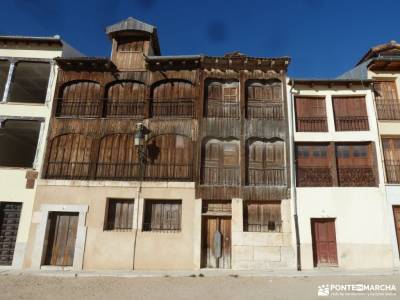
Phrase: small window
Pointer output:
(262, 216)
(119, 215)
(162, 215)
(4, 68)
(30, 82)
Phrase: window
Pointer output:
(18, 143)
(350, 113)
(387, 100)
(222, 100)
(310, 114)
(391, 152)
(220, 163)
(262, 216)
(313, 165)
(162, 215)
(4, 67)
(355, 164)
(266, 163)
(30, 82)
(119, 214)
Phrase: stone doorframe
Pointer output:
(38, 247)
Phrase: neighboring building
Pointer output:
(27, 78)
(340, 192)
(215, 190)
(381, 64)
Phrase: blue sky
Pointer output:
(324, 38)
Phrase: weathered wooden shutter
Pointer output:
(117, 157)
(126, 98)
(350, 113)
(69, 157)
(310, 114)
(391, 152)
(82, 98)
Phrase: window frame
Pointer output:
(263, 221)
(167, 209)
(110, 206)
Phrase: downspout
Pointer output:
(293, 180)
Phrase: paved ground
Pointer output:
(208, 286)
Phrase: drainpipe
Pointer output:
(293, 180)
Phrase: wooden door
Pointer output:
(324, 242)
(396, 213)
(216, 242)
(61, 238)
(9, 221)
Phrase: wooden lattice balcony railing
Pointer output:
(221, 176)
(311, 124)
(388, 109)
(314, 176)
(124, 108)
(79, 108)
(356, 176)
(351, 123)
(271, 110)
(68, 170)
(392, 168)
(270, 176)
(223, 109)
(119, 171)
(173, 108)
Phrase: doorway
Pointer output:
(10, 213)
(324, 242)
(61, 237)
(216, 235)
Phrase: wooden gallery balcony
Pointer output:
(104, 108)
(169, 157)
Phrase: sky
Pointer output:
(324, 38)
